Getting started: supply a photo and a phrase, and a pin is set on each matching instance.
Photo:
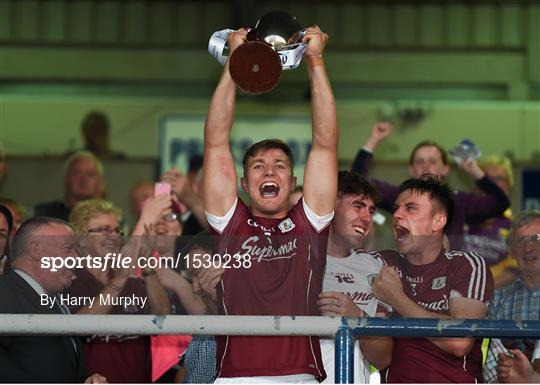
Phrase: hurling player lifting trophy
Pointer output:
(272, 46)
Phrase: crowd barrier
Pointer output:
(343, 329)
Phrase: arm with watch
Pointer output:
(112, 288)
(154, 209)
(157, 297)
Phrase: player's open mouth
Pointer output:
(269, 190)
(401, 233)
(359, 230)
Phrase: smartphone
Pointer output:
(162, 188)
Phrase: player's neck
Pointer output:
(425, 256)
(337, 248)
(277, 215)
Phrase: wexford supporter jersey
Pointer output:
(454, 274)
(284, 277)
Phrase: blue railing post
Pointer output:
(344, 355)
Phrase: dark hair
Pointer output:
(6, 251)
(95, 117)
(9, 218)
(202, 240)
(27, 229)
(186, 243)
(431, 185)
(429, 143)
(352, 183)
(268, 144)
(195, 163)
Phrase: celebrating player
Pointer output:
(286, 248)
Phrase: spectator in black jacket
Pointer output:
(29, 288)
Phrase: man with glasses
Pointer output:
(97, 224)
(518, 301)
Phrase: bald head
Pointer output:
(83, 178)
(38, 238)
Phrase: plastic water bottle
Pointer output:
(465, 150)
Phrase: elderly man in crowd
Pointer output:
(32, 358)
(83, 179)
(518, 301)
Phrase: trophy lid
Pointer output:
(278, 28)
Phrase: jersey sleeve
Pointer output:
(471, 278)
(219, 223)
(491, 204)
(387, 191)
(390, 258)
(319, 222)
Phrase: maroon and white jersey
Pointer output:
(288, 258)
(354, 276)
(454, 274)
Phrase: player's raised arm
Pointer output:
(320, 177)
(219, 177)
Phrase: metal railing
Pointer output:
(344, 329)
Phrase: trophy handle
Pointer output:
(291, 55)
(217, 45)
